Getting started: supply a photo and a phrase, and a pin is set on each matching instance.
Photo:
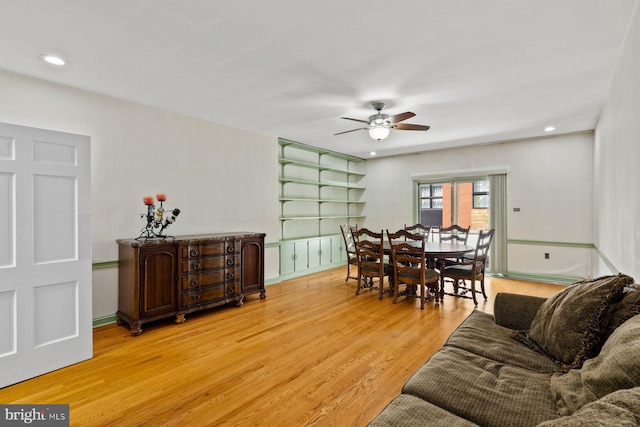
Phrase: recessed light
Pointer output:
(373, 153)
(549, 129)
(52, 59)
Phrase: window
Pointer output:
(464, 202)
(430, 196)
(480, 194)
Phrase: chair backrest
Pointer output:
(369, 247)
(455, 234)
(407, 257)
(482, 247)
(347, 235)
(422, 230)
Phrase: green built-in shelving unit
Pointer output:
(319, 191)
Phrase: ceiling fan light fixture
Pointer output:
(379, 132)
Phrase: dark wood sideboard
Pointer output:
(159, 278)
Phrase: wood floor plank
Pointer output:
(312, 354)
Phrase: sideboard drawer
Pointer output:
(194, 281)
(207, 295)
(209, 249)
(203, 264)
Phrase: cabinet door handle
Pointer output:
(230, 275)
(230, 262)
(196, 266)
(195, 297)
(231, 291)
(194, 252)
(230, 249)
(194, 282)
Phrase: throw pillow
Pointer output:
(628, 307)
(616, 367)
(569, 326)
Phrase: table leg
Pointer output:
(442, 264)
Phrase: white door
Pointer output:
(45, 252)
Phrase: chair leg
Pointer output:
(381, 290)
(473, 291)
(359, 284)
(348, 271)
(482, 288)
(422, 292)
(396, 285)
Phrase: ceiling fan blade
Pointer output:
(355, 120)
(401, 117)
(352, 130)
(407, 126)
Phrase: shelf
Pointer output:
(321, 184)
(318, 167)
(318, 218)
(327, 198)
(290, 199)
(320, 151)
(312, 237)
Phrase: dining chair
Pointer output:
(410, 265)
(370, 255)
(423, 230)
(454, 234)
(350, 246)
(471, 269)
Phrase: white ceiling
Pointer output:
(476, 71)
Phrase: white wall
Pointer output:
(617, 163)
(222, 178)
(549, 179)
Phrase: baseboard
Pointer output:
(105, 320)
(310, 271)
(543, 278)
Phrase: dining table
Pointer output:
(436, 253)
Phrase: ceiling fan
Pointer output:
(379, 125)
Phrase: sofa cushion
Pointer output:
(571, 324)
(618, 409)
(482, 390)
(410, 411)
(616, 367)
(480, 334)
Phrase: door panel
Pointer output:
(55, 308)
(7, 225)
(314, 253)
(54, 218)
(45, 262)
(159, 275)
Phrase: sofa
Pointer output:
(570, 360)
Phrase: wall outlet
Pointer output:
(546, 255)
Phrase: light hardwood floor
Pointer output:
(312, 354)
